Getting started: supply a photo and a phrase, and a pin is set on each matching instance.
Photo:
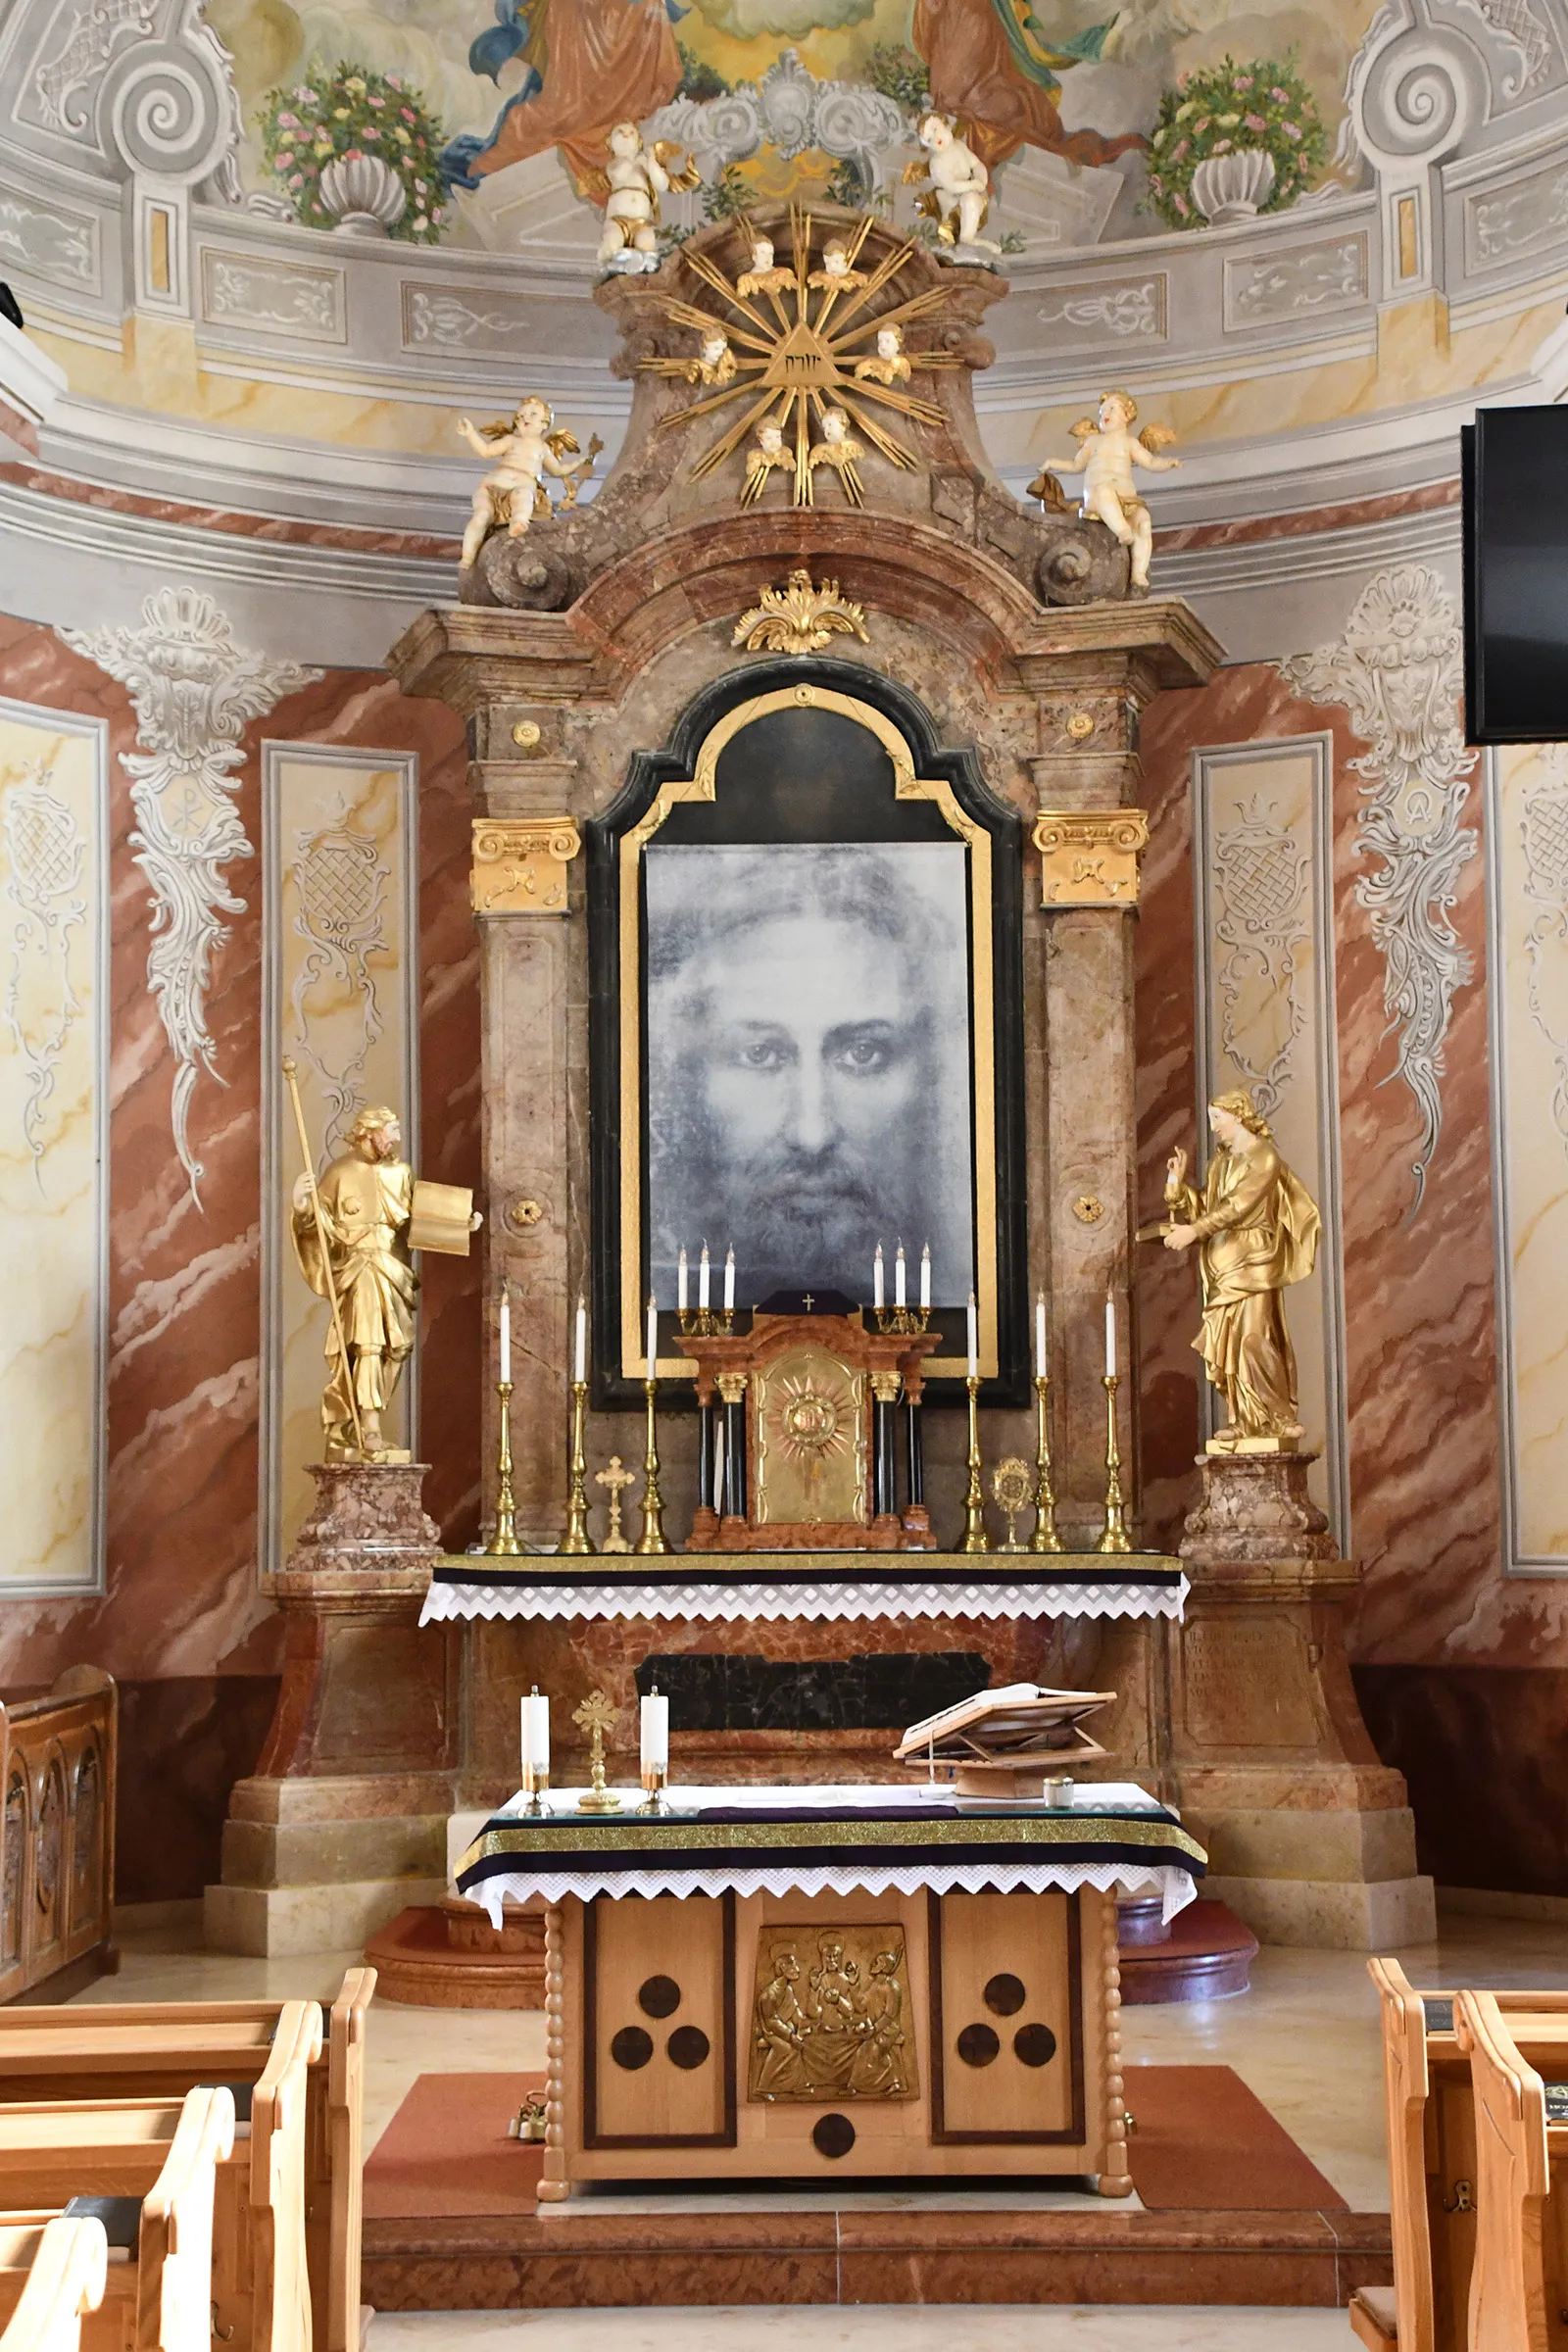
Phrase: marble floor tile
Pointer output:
(875, 2327)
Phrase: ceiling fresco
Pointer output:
(805, 98)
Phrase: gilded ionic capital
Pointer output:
(1088, 857)
(521, 868)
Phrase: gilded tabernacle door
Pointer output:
(807, 1007)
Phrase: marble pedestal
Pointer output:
(343, 1823)
(1310, 1838)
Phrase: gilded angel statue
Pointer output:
(529, 448)
(1108, 451)
(638, 175)
(837, 273)
(766, 275)
(837, 450)
(889, 364)
(765, 456)
(1256, 1230)
(715, 364)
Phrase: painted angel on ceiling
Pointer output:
(585, 66)
(993, 67)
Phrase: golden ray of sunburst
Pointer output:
(736, 434)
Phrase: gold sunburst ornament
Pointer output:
(812, 1424)
(800, 618)
(818, 365)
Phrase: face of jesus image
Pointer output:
(819, 1091)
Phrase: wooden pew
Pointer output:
(1519, 2282)
(66, 2266)
(57, 1836)
(259, 2298)
(1431, 2166)
(158, 2292)
(119, 2050)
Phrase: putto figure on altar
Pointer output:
(1256, 1230)
(353, 1230)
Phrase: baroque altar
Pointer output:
(804, 856)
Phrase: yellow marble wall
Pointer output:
(341, 983)
(1528, 857)
(53, 1027)
(1262, 836)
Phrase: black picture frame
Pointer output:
(786, 807)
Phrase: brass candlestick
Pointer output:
(577, 1538)
(536, 1783)
(503, 1544)
(905, 1320)
(596, 1715)
(706, 1322)
(1115, 1537)
(975, 1538)
(1044, 1537)
(656, 1779)
(652, 1538)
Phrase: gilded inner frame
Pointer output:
(701, 785)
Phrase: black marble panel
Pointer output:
(710, 1692)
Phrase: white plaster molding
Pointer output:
(47, 853)
(193, 690)
(1398, 671)
(30, 381)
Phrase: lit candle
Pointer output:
(582, 1360)
(1110, 1337)
(729, 1283)
(654, 1733)
(899, 1299)
(974, 1340)
(702, 1278)
(1040, 1335)
(506, 1334)
(680, 1281)
(925, 1276)
(653, 1337)
(535, 1733)
(876, 1278)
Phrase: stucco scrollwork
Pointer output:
(1543, 836)
(46, 851)
(193, 690)
(1397, 670)
(1260, 872)
(787, 108)
(62, 82)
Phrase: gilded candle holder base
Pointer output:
(537, 1783)
(652, 1540)
(1044, 1537)
(706, 1322)
(576, 1538)
(975, 1538)
(655, 1781)
(906, 1321)
(1115, 1537)
(504, 1545)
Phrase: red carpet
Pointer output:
(446, 2151)
(1202, 2143)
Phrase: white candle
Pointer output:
(535, 1733)
(899, 1299)
(1110, 1337)
(580, 1372)
(925, 1276)
(654, 1733)
(1040, 1335)
(876, 1278)
(680, 1281)
(702, 1278)
(974, 1340)
(729, 1283)
(506, 1335)
(653, 1337)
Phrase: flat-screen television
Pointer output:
(1514, 464)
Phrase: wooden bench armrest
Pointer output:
(66, 2281)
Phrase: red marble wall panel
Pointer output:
(1421, 1358)
(183, 1612)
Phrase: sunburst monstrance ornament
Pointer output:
(816, 363)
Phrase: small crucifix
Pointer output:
(617, 1480)
(596, 1715)
(810, 1301)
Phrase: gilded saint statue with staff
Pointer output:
(1255, 1228)
(354, 1229)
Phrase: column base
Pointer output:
(1376, 1915)
(271, 1923)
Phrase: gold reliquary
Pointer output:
(1006, 1742)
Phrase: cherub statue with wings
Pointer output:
(527, 447)
(1108, 451)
